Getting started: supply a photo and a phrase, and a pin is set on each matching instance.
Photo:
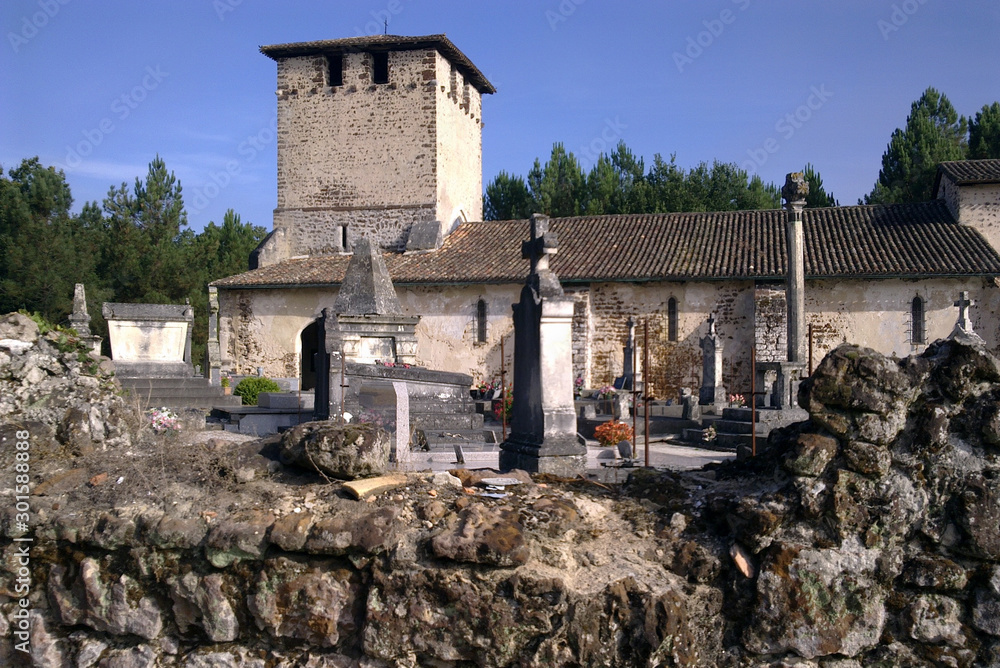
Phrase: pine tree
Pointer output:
(558, 189)
(507, 198)
(984, 133)
(934, 133)
(817, 197)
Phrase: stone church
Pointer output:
(380, 138)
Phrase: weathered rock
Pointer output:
(364, 533)
(311, 604)
(200, 601)
(483, 536)
(935, 619)
(812, 454)
(343, 451)
(868, 458)
(979, 515)
(935, 572)
(817, 602)
(18, 327)
(857, 393)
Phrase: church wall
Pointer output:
(459, 155)
(979, 206)
(876, 314)
(261, 328)
(673, 364)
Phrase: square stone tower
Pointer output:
(378, 136)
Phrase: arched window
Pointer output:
(481, 321)
(672, 319)
(917, 321)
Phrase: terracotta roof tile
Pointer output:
(911, 240)
(966, 172)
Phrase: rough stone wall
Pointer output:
(673, 364)
(459, 149)
(262, 328)
(877, 313)
(374, 157)
(975, 205)
(771, 323)
(582, 331)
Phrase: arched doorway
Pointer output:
(309, 340)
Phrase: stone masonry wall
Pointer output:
(770, 323)
(459, 148)
(975, 205)
(374, 157)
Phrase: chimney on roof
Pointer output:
(794, 192)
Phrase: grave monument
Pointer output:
(150, 340)
(713, 392)
(79, 320)
(543, 423)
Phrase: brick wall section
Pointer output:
(770, 323)
(376, 158)
(582, 327)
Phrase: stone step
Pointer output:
(192, 381)
(740, 414)
(446, 421)
(733, 441)
(471, 440)
(725, 426)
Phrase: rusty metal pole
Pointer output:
(503, 391)
(343, 385)
(635, 394)
(753, 401)
(810, 349)
(645, 384)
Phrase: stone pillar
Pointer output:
(543, 423)
(627, 379)
(213, 351)
(79, 320)
(713, 392)
(189, 316)
(795, 191)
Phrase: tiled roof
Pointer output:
(386, 43)
(967, 172)
(901, 240)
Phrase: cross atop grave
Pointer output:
(963, 305)
(711, 324)
(541, 245)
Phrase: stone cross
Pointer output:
(538, 249)
(794, 191)
(963, 305)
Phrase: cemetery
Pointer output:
(417, 439)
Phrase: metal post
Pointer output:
(810, 349)
(645, 384)
(503, 391)
(343, 384)
(635, 397)
(753, 401)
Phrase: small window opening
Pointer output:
(672, 319)
(343, 237)
(481, 321)
(380, 67)
(917, 320)
(335, 69)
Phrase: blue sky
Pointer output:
(99, 88)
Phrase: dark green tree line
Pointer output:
(135, 247)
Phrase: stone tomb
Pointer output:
(150, 340)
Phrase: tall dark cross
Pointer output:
(963, 305)
(542, 244)
(711, 324)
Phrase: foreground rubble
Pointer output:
(869, 536)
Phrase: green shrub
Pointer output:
(249, 388)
